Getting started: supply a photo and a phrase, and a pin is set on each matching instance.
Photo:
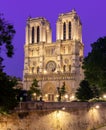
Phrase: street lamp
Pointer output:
(20, 102)
(34, 96)
(104, 96)
(72, 97)
(97, 106)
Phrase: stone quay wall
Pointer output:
(55, 116)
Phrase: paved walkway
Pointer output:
(103, 128)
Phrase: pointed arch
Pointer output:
(37, 69)
(33, 33)
(64, 31)
(64, 68)
(38, 34)
(69, 33)
(70, 68)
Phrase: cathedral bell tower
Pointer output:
(37, 31)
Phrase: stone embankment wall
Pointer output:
(55, 116)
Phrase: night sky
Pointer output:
(92, 14)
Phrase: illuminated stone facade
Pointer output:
(53, 63)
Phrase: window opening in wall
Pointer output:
(69, 67)
(69, 30)
(38, 34)
(64, 31)
(32, 69)
(64, 68)
(33, 31)
(37, 69)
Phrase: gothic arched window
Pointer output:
(33, 31)
(32, 69)
(64, 68)
(38, 34)
(64, 31)
(69, 33)
(69, 67)
(37, 69)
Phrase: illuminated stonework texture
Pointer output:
(53, 63)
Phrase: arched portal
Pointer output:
(49, 91)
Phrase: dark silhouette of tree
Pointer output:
(96, 93)
(6, 36)
(8, 91)
(94, 65)
(84, 92)
(61, 91)
(35, 89)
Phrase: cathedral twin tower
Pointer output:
(54, 63)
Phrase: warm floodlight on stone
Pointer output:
(72, 97)
(63, 108)
(46, 95)
(66, 96)
(57, 96)
(97, 106)
(34, 94)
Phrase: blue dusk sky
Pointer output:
(92, 14)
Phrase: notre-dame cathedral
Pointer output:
(53, 63)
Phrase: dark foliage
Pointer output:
(94, 65)
(35, 89)
(61, 91)
(84, 92)
(8, 92)
(6, 36)
(23, 96)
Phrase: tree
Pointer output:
(8, 93)
(6, 36)
(96, 93)
(94, 65)
(35, 89)
(61, 91)
(84, 92)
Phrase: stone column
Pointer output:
(35, 35)
(80, 33)
(41, 33)
(27, 35)
(58, 31)
(41, 64)
(61, 31)
(49, 37)
(75, 30)
(44, 34)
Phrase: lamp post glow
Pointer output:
(34, 96)
(63, 108)
(66, 96)
(72, 97)
(104, 96)
(46, 95)
(20, 102)
(97, 106)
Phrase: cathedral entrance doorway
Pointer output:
(49, 91)
(50, 97)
